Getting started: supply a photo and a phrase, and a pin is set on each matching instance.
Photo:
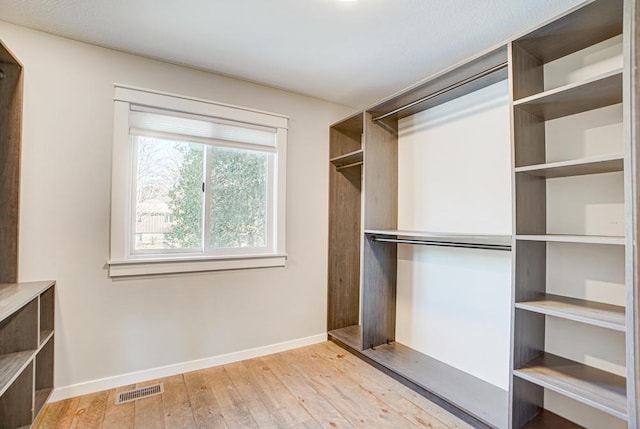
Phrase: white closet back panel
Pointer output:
(454, 165)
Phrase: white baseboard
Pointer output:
(65, 392)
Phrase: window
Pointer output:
(196, 185)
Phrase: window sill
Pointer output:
(193, 264)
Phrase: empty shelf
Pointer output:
(600, 91)
(484, 401)
(579, 310)
(350, 336)
(15, 295)
(352, 158)
(44, 336)
(548, 420)
(11, 365)
(579, 167)
(599, 389)
(41, 398)
(584, 27)
(585, 239)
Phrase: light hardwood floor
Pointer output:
(316, 386)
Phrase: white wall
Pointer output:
(454, 175)
(107, 329)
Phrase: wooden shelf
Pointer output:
(579, 310)
(350, 336)
(547, 420)
(577, 167)
(351, 158)
(27, 343)
(482, 400)
(41, 397)
(600, 91)
(582, 239)
(584, 27)
(15, 295)
(11, 365)
(599, 389)
(491, 239)
(45, 336)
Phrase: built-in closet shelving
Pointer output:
(534, 367)
(364, 235)
(363, 230)
(26, 351)
(26, 309)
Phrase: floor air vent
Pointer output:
(143, 392)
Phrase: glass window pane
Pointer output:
(238, 198)
(169, 198)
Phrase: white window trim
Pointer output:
(124, 264)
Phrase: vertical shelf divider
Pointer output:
(631, 116)
(380, 212)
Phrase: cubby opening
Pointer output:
(44, 375)
(47, 303)
(17, 401)
(19, 331)
(26, 357)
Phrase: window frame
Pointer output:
(124, 261)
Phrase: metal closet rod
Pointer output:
(502, 247)
(443, 91)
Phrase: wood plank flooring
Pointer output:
(319, 386)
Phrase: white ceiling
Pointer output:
(354, 53)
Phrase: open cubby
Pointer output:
(16, 402)
(19, 330)
(26, 309)
(26, 351)
(44, 374)
(47, 302)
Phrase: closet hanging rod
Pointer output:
(501, 247)
(443, 91)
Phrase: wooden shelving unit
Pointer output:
(534, 367)
(26, 351)
(26, 309)
(345, 184)
(363, 232)
(363, 257)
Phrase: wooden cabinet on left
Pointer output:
(26, 350)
